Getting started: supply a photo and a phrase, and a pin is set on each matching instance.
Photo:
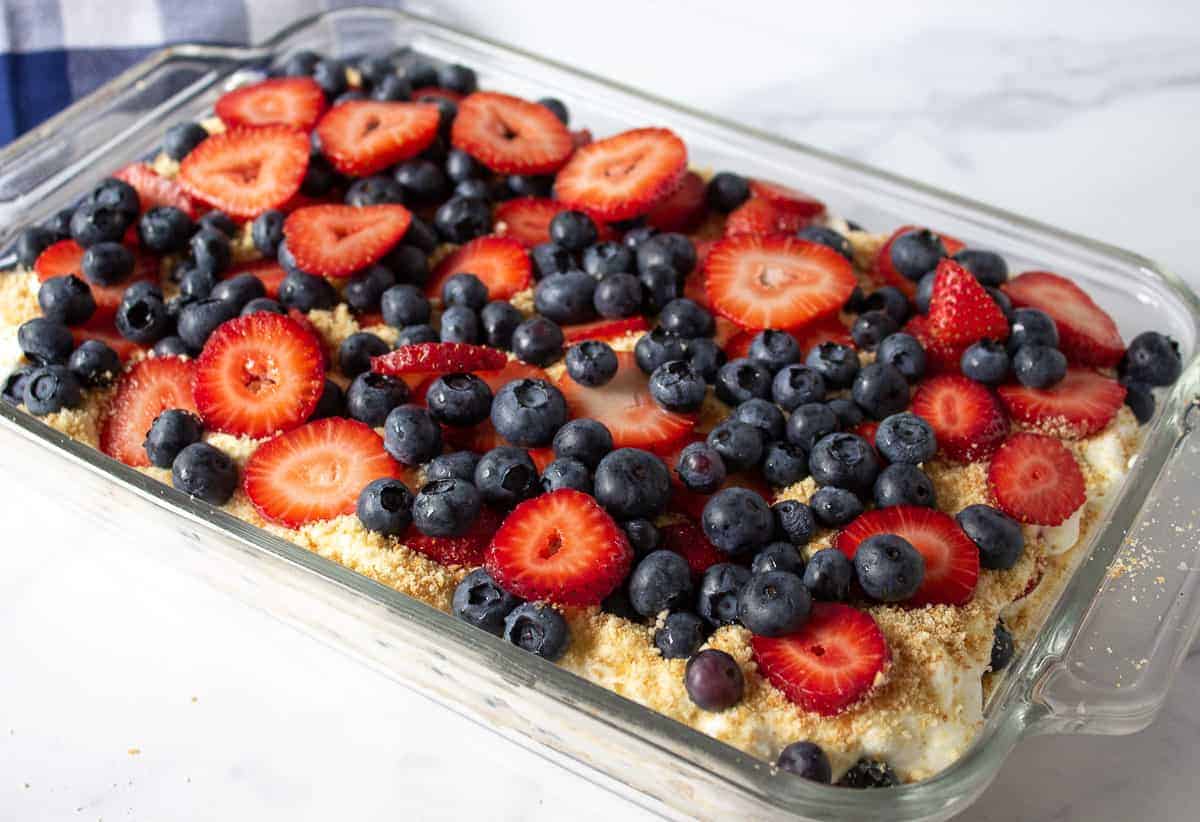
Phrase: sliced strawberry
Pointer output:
(776, 281)
(246, 171)
(625, 175)
(1087, 334)
(501, 263)
(1035, 479)
(951, 558)
(361, 137)
(287, 101)
(604, 329)
(495, 379)
(438, 92)
(147, 389)
(510, 135)
(625, 407)
(301, 319)
(687, 538)
(940, 357)
(961, 312)
(527, 220)
(787, 197)
(824, 329)
(726, 331)
(830, 663)
(967, 419)
(866, 429)
(107, 333)
(316, 471)
(155, 190)
(66, 257)
(1083, 403)
(467, 549)
(338, 240)
(438, 358)
(268, 272)
(258, 375)
(562, 547)
(761, 216)
(684, 209)
(885, 271)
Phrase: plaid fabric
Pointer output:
(55, 51)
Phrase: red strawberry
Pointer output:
(258, 375)
(739, 345)
(1087, 334)
(726, 329)
(438, 358)
(147, 389)
(362, 137)
(787, 197)
(338, 240)
(316, 471)
(269, 273)
(762, 216)
(951, 558)
(825, 329)
(625, 175)
(626, 408)
(66, 257)
(106, 332)
(510, 135)
(495, 379)
(301, 319)
(776, 281)
(883, 269)
(830, 663)
(467, 549)
(1035, 479)
(562, 547)
(684, 209)
(154, 190)
(966, 417)
(1083, 403)
(604, 329)
(437, 91)
(246, 171)
(940, 357)
(866, 429)
(961, 312)
(526, 219)
(686, 538)
(501, 263)
(287, 101)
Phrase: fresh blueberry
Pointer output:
(446, 508)
(306, 292)
(774, 603)
(459, 399)
(632, 483)
(566, 298)
(205, 473)
(836, 364)
(806, 760)
(661, 581)
(737, 520)
(239, 289)
(845, 461)
(888, 568)
(1039, 366)
(827, 237)
(763, 415)
(618, 295)
(12, 387)
(717, 597)
(809, 423)
(374, 68)
(828, 575)
(49, 389)
(1139, 396)
(573, 230)
(602, 259)
(784, 464)
(422, 181)
(848, 414)
(410, 433)
(658, 348)
(458, 78)
(171, 432)
(642, 534)
(989, 268)
(371, 397)
(985, 362)
(998, 536)
(700, 468)
(528, 412)
(778, 556)
(419, 74)
(1152, 358)
(506, 475)
(107, 263)
(557, 108)
(869, 773)
(195, 284)
(181, 138)
(477, 189)
(455, 465)
(210, 250)
(906, 438)
(672, 250)
(198, 320)
(916, 252)
(92, 223)
(356, 351)
(742, 379)
(172, 346)
(680, 635)
(537, 628)
(94, 363)
(480, 601)
(330, 75)
(364, 292)
(774, 350)
(1003, 648)
(551, 258)
(416, 334)
(300, 64)
(392, 88)
(713, 680)
(739, 444)
(793, 521)
(566, 473)
(332, 402)
(165, 229)
(904, 353)
(409, 263)
(32, 242)
(1004, 301)
(462, 219)
(113, 193)
(797, 385)
(320, 178)
(462, 166)
(660, 285)
(498, 320)
(59, 227)
(705, 357)
(465, 290)
(834, 507)
(726, 191)
(888, 299)
(1032, 327)
(537, 341)
(583, 439)
(881, 390)
(637, 235)
(66, 300)
(459, 324)
(404, 305)
(689, 320)
(676, 386)
(924, 294)
(903, 484)
(45, 342)
(871, 328)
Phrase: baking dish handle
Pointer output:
(1113, 674)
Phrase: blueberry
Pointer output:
(371, 397)
(845, 461)
(836, 364)
(988, 267)
(797, 385)
(422, 181)
(557, 108)
(737, 520)
(774, 349)
(32, 242)
(726, 191)
(784, 464)
(320, 178)
(537, 341)
(198, 320)
(739, 444)
(107, 263)
(689, 320)
(1032, 327)
(828, 575)
(888, 568)
(903, 484)
(742, 379)
(364, 292)
(827, 237)
(705, 357)
(355, 352)
(113, 193)
(997, 535)
(778, 556)
(421, 236)
(793, 521)
(404, 305)
(924, 293)
(566, 298)
(888, 299)
(165, 229)
(904, 353)
(676, 386)
(847, 413)
(239, 289)
(59, 227)
(306, 292)
(392, 88)
(809, 423)
(45, 342)
(854, 303)
(637, 235)
(462, 166)
(869, 773)
(300, 64)
(1003, 648)
(332, 402)
(1152, 358)
(871, 328)
(459, 399)
(1140, 398)
(566, 473)
(680, 635)
(205, 473)
(12, 387)
(551, 258)
(466, 290)
(195, 284)
(66, 300)
(143, 320)
(674, 251)
(219, 222)
(171, 432)
(457, 77)
(182, 138)
(446, 507)
(528, 412)
(455, 465)
(834, 507)
(632, 483)
(49, 389)
(643, 537)
(462, 219)
(172, 346)
(537, 628)
(763, 415)
(618, 295)
(94, 363)
(713, 680)
(660, 582)
(573, 230)
(1039, 366)
(916, 252)
(506, 476)
(477, 189)
(409, 263)
(1004, 301)
(210, 250)
(498, 320)
(374, 68)
(700, 468)
(658, 348)
(141, 290)
(906, 438)
(985, 362)
(806, 760)
(480, 601)
(880, 390)
(92, 223)
(660, 285)
(583, 439)
(774, 603)
(602, 259)
(459, 324)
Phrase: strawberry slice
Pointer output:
(1035, 479)
(510, 135)
(787, 197)
(66, 257)
(147, 389)
(809, 336)
(527, 220)
(625, 175)
(258, 375)
(106, 332)
(246, 171)
(1081, 404)
(867, 430)
(951, 558)
(830, 663)
(683, 210)
(338, 240)
(467, 549)
(361, 137)
(154, 190)
(961, 312)
(885, 271)
(687, 539)
(1087, 334)
(759, 215)
(940, 357)
(562, 547)
(604, 329)
(269, 273)
(316, 471)
(966, 417)
(625, 407)
(495, 379)
(438, 358)
(500, 263)
(776, 281)
(287, 101)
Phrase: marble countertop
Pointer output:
(133, 691)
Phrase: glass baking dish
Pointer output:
(1102, 662)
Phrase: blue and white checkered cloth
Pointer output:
(54, 51)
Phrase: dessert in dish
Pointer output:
(799, 485)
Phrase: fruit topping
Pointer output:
(287, 101)
(500, 263)
(147, 389)
(338, 240)
(1079, 405)
(1087, 334)
(510, 135)
(625, 175)
(245, 171)
(362, 137)
(966, 417)
(1035, 479)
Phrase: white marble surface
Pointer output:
(132, 691)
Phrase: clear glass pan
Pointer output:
(1102, 662)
